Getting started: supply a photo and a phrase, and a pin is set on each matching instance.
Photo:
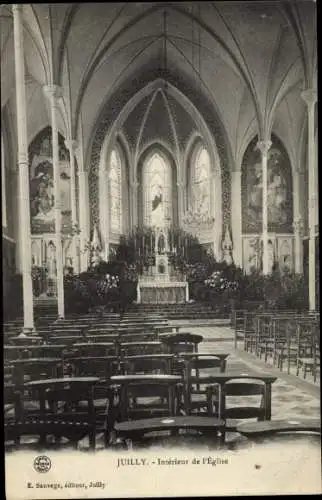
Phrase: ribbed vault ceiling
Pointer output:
(249, 60)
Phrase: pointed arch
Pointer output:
(158, 183)
(115, 191)
(199, 179)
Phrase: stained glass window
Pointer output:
(200, 181)
(115, 177)
(157, 191)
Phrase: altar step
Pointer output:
(196, 310)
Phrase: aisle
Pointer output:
(292, 397)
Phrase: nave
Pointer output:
(103, 348)
(143, 384)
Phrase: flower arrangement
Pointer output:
(219, 283)
(106, 284)
(130, 273)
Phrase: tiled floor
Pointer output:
(273, 467)
(292, 397)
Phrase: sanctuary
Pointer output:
(192, 118)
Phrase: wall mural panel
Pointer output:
(279, 189)
(42, 203)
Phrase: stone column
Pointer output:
(310, 97)
(23, 172)
(83, 217)
(298, 227)
(103, 224)
(236, 217)
(71, 146)
(297, 224)
(135, 215)
(180, 202)
(54, 93)
(264, 147)
(216, 207)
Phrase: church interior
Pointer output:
(160, 219)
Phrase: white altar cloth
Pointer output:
(162, 292)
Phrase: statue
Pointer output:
(51, 262)
(96, 248)
(157, 212)
(227, 246)
(161, 245)
(270, 256)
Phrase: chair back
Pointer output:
(143, 365)
(57, 410)
(206, 363)
(242, 408)
(136, 348)
(106, 337)
(94, 349)
(36, 369)
(150, 396)
(94, 366)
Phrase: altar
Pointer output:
(162, 292)
(161, 285)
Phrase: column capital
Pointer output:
(54, 91)
(264, 146)
(180, 184)
(83, 173)
(71, 144)
(134, 184)
(310, 97)
(22, 159)
(16, 7)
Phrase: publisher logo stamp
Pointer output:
(42, 464)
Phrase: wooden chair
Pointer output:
(196, 391)
(308, 349)
(142, 396)
(108, 337)
(288, 349)
(102, 367)
(93, 349)
(138, 337)
(137, 348)
(267, 428)
(249, 331)
(264, 335)
(66, 331)
(280, 326)
(239, 389)
(298, 341)
(101, 332)
(27, 340)
(150, 363)
(56, 411)
(27, 369)
(166, 329)
(182, 342)
(65, 339)
(237, 323)
(36, 351)
(174, 428)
